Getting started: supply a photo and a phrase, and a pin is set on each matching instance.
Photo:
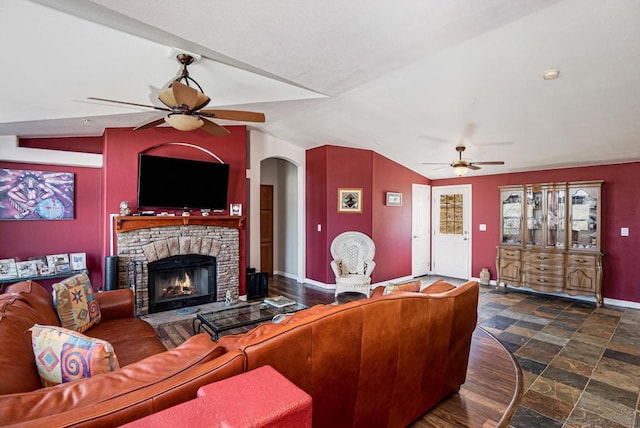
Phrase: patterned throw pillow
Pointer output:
(76, 303)
(63, 355)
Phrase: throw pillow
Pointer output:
(76, 303)
(412, 286)
(64, 355)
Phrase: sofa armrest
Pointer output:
(133, 391)
(116, 304)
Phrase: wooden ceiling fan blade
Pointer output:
(128, 103)
(436, 163)
(214, 129)
(151, 124)
(473, 167)
(489, 163)
(185, 95)
(244, 116)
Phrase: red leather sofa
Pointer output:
(382, 361)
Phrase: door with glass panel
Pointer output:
(452, 231)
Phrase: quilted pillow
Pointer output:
(76, 303)
(64, 355)
(413, 286)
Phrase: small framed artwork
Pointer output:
(78, 261)
(58, 263)
(235, 209)
(27, 269)
(8, 269)
(41, 265)
(349, 200)
(394, 199)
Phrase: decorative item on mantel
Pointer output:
(124, 208)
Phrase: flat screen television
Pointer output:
(181, 183)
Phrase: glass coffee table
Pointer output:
(249, 314)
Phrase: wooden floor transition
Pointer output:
(488, 398)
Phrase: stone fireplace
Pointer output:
(150, 247)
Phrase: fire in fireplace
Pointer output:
(180, 281)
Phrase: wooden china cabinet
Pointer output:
(550, 238)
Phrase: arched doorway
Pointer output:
(279, 217)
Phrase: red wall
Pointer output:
(316, 247)
(21, 239)
(620, 208)
(392, 225)
(330, 168)
(98, 192)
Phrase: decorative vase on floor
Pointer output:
(485, 276)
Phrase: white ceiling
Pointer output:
(404, 79)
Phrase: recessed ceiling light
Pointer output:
(551, 74)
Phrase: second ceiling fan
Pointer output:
(462, 166)
(185, 103)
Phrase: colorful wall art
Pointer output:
(36, 195)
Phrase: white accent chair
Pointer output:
(353, 263)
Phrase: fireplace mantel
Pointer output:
(129, 223)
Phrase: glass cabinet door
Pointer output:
(555, 216)
(535, 216)
(584, 217)
(512, 201)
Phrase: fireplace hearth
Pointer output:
(180, 281)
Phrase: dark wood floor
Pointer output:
(488, 398)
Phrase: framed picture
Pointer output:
(235, 209)
(41, 265)
(58, 263)
(394, 199)
(349, 200)
(8, 269)
(78, 261)
(36, 195)
(27, 269)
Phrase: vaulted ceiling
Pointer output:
(406, 79)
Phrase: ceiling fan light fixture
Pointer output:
(184, 122)
(551, 74)
(460, 170)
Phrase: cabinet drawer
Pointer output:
(508, 254)
(582, 260)
(536, 280)
(544, 269)
(546, 258)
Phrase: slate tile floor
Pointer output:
(581, 364)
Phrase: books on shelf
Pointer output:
(279, 301)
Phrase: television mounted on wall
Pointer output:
(165, 182)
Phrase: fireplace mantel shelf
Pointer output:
(129, 223)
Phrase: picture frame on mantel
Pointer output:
(394, 199)
(235, 209)
(350, 200)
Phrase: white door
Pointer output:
(452, 231)
(420, 220)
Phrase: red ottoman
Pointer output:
(258, 398)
